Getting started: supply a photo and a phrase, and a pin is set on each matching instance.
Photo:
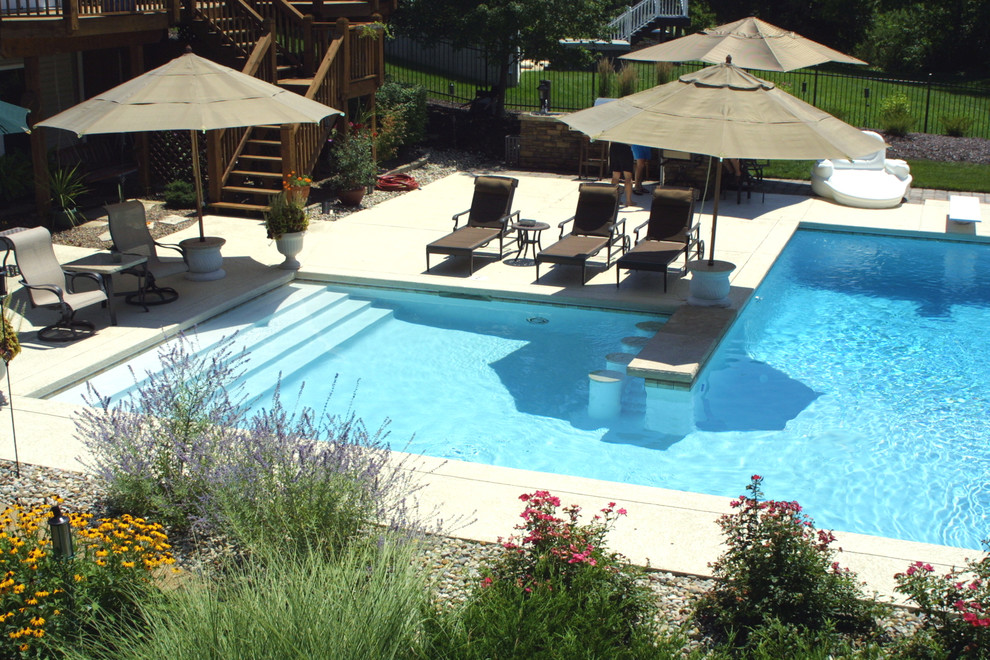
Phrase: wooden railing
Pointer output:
(302, 143)
(71, 10)
(225, 145)
(236, 23)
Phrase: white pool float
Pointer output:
(873, 182)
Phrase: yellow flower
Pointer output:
(23, 648)
(127, 564)
(102, 553)
(18, 588)
(78, 578)
(37, 621)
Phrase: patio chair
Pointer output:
(669, 234)
(49, 286)
(487, 219)
(594, 228)
(130, 235)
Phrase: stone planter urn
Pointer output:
(203, 258)
(351, 197)
(290, 245)
(710, 283)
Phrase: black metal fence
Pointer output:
(854, 99)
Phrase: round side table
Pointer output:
(527, 234)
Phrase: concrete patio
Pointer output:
(671, 530)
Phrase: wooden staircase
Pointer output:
(330, 62)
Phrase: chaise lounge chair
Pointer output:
(595, 227)
(669, 234)
(129, 233)
(47, 285)
(488, 218)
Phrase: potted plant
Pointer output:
(297, 187)
(354, 168)
(10, 345)
(286, 222)
(66, 186)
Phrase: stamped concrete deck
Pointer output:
(385, 245)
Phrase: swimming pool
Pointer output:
(856, 382)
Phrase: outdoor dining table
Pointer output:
(105, 265)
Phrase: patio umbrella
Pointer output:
(752, 44)
(13, 118)
(723, 112)
(189, 93)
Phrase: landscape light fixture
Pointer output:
(544, 90)
(61, 533)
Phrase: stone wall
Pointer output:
(548, 144)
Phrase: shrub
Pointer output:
(778, 567)
(956, 125)
(606, 75)
(628, 80)
(49, 603)
(389, 136)
(16, 176)
(555, 592)
(185, 448)
(180, 195)
(352, 164)
(955, 606)
(408, 102)
(895, 114)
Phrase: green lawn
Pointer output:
(844, 93)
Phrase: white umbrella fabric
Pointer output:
(189, 93)
(723, 112)
(752, 44)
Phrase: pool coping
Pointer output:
(483, 496)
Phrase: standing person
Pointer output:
(621, 158)
(642, 155)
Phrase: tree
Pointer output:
(504, 29)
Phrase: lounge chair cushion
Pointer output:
(464, 240)
(651, 255)
(491, 201)
(574, 249)
(596, 211)
(670, 213)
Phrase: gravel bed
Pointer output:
(453, 565)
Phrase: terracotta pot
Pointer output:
(297, 195)
(351, 197)
(289, 245)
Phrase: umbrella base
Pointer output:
(203, 258)
(710, 283)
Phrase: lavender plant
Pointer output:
(186, 449)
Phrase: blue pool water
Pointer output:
(856, 382)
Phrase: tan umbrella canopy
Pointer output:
(723, 112)
(752, 44)
(189, 93)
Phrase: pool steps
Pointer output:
(332, 317)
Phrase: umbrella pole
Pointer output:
(718, 193)
(197, 181)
